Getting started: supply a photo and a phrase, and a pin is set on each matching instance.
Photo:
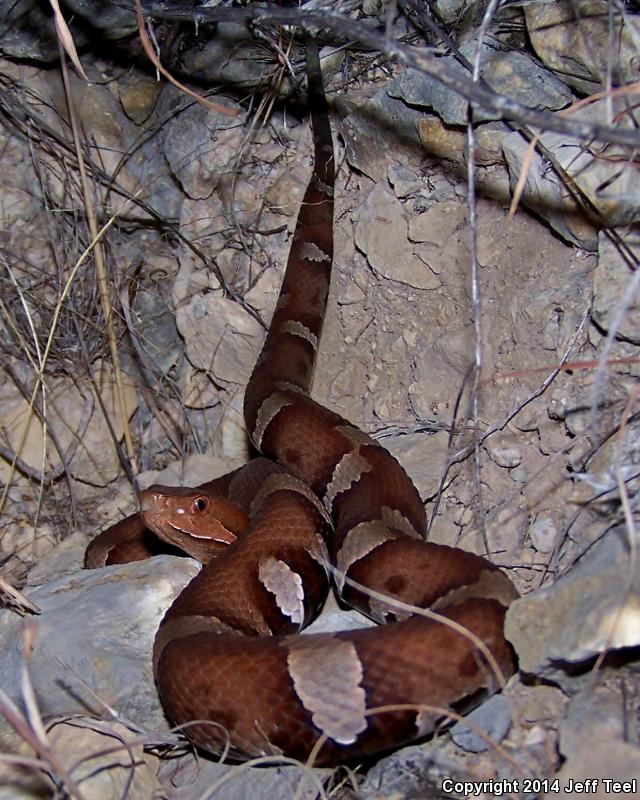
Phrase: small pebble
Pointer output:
(492, 717)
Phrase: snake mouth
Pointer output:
(191, 534)
(223, 536)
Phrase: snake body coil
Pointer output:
(227, 652)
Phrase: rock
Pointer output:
(488, 144)
(404, 181)
(232, 56)
(572, 38)
(242, 199)
(194, 470)
(450, 144)
(594, 715)
(263, 295)
(20, 783)
(100, 114)
(111, 22)
(154, 326)
(138, 96)
(608, 770)
(350, 294)
(94, 639)
(381, 133)
(77, 421)
(505, 530)
(520, 474)
(442, 141)
(503, 450)
(190, 281)
(285, 194)
(493, 718)
(197, 391)
(402, 775)
(558, 630)
(424, 457)
(80, 652)
(64, 559)
(108, 759)
(220, 337)
(439, 368)
(600, 475)
(188, 142)
(230, 437)
(553, 437)
(372, 8)
(547, 194)
(563, 401)
(612, 280)
(333, 618)
(185, 779)
(451, 11)
(541, 705)
(381, 233)
(28, 31)
(543, 534)
(438, 223)
(510, 73)
(594, 738)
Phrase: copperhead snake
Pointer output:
(227, 652)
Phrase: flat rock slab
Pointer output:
(94, 639)
(594, 608)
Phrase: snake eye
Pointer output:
(199, 504)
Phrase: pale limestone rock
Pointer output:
(220, 337)
(424, 457)
(543, 533)
(438, 223)
(96, 627)
(544, 191)
(230, 438)
(439, 368)
(404, 180)
(617, 762)
(242, 199)
(76, 419)
(595, 607)
(612, 279)
(138, 96)
(201, 146)
(191, 471)
(508, 72)
(505, 530)
(101, 773)
(450, 144)
(284, 196)
(263, 295)
(381, 233)
(197, 390)
(503, 449)
(382, 133)
(598, 708)
(580, 52)
(492, 717)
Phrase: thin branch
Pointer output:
(417, 58)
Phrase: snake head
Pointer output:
(201, 524)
